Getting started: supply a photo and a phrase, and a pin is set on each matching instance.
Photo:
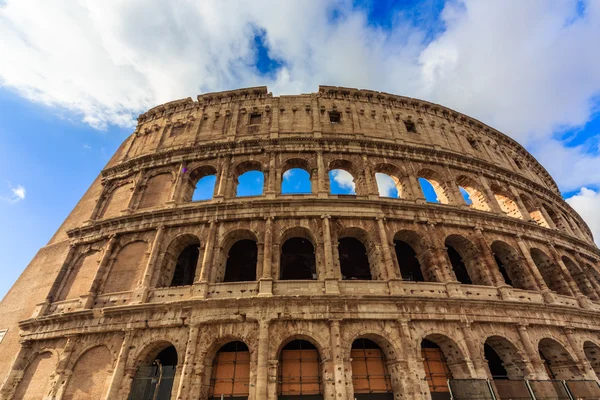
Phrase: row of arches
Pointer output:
(299, 176)
(303, 370)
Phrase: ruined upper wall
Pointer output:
(249, 113)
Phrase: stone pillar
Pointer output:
(409, 365)
(390, 269)
(141, 292)
(188, 363)
(272, 178)
(207, 262)
(180, 179)
(274, 131)
(321, 176)
(119, 372)
(493, 203)
(565, 272)
(262, 367)
(547, 217)
(579, 355)
(57, 286)
(316, 117)
(475, 353)
(372, 188)
(63, 374)
(524, 211)
(591, 279)
(416, 188)
(15, 374)
(535, 272)
(337, 360)
(223, 178)
(488, 257)
(434, 265)
(331, 276)
(107, 256)
(266, 276)
(539, 372)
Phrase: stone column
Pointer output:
(180, 179)
(409, 365)
(273, 174)
(539, 372)
(591, 279)
(337, 360)
(223, 178)
(15, 374)
(579, 355)
(547, 217)
(107, 256)
(262, 367)
(316, 118)
(372, 189)
(201, 286)
(140, 294)
(535, 272)
(488, 257)
(493, 203)
(63, 373)
(416, 188)
(321, 176)
(565, 272)
(188, 363)
(119, 372)
(434, 265)
(66, 269)
(385, 248)
(331, 277)
(266, 277)
(274, 131)
(524, 211)
(474, 351)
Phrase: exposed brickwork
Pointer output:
(516, 270)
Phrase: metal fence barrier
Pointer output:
(519, 389)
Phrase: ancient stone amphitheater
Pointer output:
(489, 291)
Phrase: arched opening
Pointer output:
(550, 272)
(36, 383)
(507, 204)
(157, 190)
(410, 267)
(155, 375)
(557, 361)
(512, 266)
(437, 371)
(458, 266)
(472, 194)
(464, 258)
(354, 261)
(370, 377)
(433, 187)
(341, 182)
(185, 269)
(250, 183)
(126, 267)
(592, 353)
(91, 375)
(558, 222)
(535, 212)
(388, 186)
(81, 276)
(298, 259)
(296, 181)
(241, 261)
(495, 364)
(200, 183)
(230, 376)
(299, 375)
(580, 278)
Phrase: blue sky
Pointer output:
(74, 76)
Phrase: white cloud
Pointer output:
(287, 175)
(528, 68)
(386, 185)
(343, 179)
(17, 194)
(587, 204)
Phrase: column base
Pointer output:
(265, 287)
(506, 293)
(548, 297)
(453, 290)
(584, 302)
(200, 290)
(332, 286)
(140, 295)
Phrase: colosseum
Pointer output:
(489, 289)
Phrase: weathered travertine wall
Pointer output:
(98, 301)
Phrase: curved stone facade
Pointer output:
(140, 269)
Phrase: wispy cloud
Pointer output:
(386, 185)
(16, 195)
(343, 179)
(587, 204)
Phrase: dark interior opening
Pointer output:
(255, 119)
(410, 126)
(241, 262)
(354, 263)
(460, 270)
(185, 270)
(503, 271)
(335, 117)
(297, 259)
(495, 363)
(168, 356)
(410, 268)
(547, 365)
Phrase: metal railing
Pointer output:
(522, 389)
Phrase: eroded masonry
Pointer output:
(148, 292)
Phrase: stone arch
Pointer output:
(559, 223)
(397, 175)
(91, 376)
(245, 167)
(464, 258)
(512, 359)
(192, 179)
(229, 371)
(180, 262)
(148, 370)
(559, 363)
(321, 344)
(81, 275)
(300, 367)
(243, 261)
(506, 201)
(580, 278)
(156, 188)
(534, 210)
(296, 163)
(592, 353)
(350, 168)
(512, 265)
(475, 192)
(116, 198)
(438, 183)
(38, 375)
(410, 248)
(351, 242)
(126, 267)
(550, 272)
(371, 358)
(297, 254)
